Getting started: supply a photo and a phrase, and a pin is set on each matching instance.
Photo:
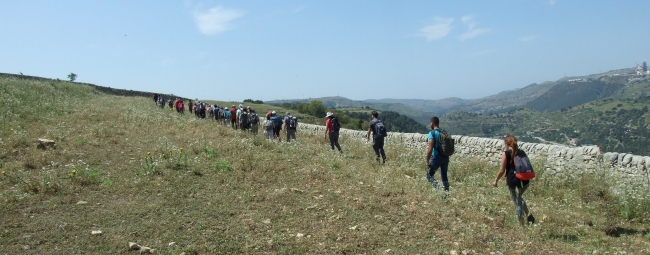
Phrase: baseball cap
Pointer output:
(273, 112)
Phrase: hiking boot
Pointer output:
(531, 219)
(384, 161)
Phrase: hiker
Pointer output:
(435, 158)
(332, 127)
(378, 130)
(238, 114)
(269, 126)
(181, 107)
(255, 122)
(170, 102)
(202, 110)
(244, 119)
(189, 106)
(516, 186)
(277, 125)
(226, 116)
(155, 98)
(290, 125)
(161, 102)
(233, 117)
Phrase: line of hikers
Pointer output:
(515, 164)
(239, 118)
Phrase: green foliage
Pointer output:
(622, 129)
(394, 122)
(314, 108)
(569, 94)
(72, 77)
(253, 101)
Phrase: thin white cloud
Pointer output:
(468, 21)
(528, 38)
(471, 27)
(299, 9)
(215, 20)
(473, 33)
(551, 2)
(439, 29)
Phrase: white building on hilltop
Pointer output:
(642, 69)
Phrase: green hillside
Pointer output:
(572, 93)
(615, 125)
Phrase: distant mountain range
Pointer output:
(608, 109)
(548, 96)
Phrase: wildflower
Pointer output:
(148, 153)
(4, 172)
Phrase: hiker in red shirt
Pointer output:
(332, 127)
(233, 117)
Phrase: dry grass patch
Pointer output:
(154, 177)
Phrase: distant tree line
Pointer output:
(253, 101)
(394, 121)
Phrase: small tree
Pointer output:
(72, 76)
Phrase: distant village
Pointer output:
(640, 70)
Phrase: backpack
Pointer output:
(277, 121)
(268, 125)
(255, 119)
(291, 123)
(243, 118)
(445, 142)
(523, 168)
(380, 129)
(335, 124)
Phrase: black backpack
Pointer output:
(255, 119)
(445, 144)
(244, 119)
(291, 123)
(335, 124)
(380, 129)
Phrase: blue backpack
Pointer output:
(277, 121)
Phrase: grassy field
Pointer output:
(179, 184)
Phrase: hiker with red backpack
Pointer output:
(379, 132)
(440, 147)
(518, 170)
(332, 127)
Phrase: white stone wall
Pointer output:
(557, 158)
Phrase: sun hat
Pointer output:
(273, 112)
(329, 114)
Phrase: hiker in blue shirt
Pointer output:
(277, 122)
(435, 159)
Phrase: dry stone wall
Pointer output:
(556, 158)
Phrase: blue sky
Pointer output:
(234, 50)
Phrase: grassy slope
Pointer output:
(226, 192)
